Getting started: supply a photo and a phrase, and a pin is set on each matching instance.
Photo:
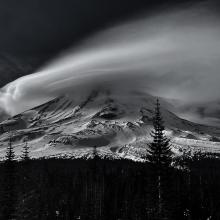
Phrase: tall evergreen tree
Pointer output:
(25, 153)
(159, 152)
(10, 155)
(24, 209)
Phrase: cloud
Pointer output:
(202, 113)
(173, 55)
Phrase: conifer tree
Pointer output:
(10, 155)
(25, 153)
(159, 152)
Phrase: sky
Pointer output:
(168, 50)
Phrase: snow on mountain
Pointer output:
(118, 125)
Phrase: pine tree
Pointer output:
(25, 153)
(10, 155)
(159, 152)
(25, 195)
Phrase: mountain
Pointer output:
(118, 125)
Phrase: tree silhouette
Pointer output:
(159, 152)
(10, 155)
(25, 153)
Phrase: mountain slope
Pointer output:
(118, 124)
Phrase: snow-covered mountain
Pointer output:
(118, 125)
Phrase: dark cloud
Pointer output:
(203, 112)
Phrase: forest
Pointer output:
(110, 189)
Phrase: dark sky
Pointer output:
(39, 27)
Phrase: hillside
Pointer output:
(118, 125)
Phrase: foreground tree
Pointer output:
(159, 152)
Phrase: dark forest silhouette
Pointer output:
(109, 189)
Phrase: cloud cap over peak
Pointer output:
(173, 55)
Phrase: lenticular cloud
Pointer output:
(175, 55)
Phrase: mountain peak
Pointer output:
(118, 124)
